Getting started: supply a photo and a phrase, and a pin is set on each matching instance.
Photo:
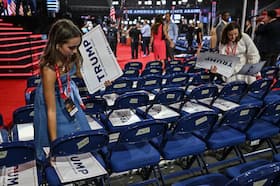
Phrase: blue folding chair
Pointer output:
(179, 80)
(133, 149)
(22, 128)
(232, 124)
(181, 141)
(153, 64)
(233, 91)
(29, 92)
(274, 93)
(133, 65)
(122, 113)
(172, 63)
(265, 126)
(174, 69)
(256, 92)
(270, 72)
(266, 175)
(118, 87)
(156, 70)
(18, 158)
(94, 107)
(151, 83)
(196, 98)
(159, 107)
(83, 91)
(131, 74)
(73, 145)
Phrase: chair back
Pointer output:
(143, 131)
(176, 80)
(130, 73)
(149, 82)
(153, 64)
(240, 117)
(156, 70)
(24, 114)
(265, 175)
(203, 91)
(259, 88)
(78, 143)
(271, 112)
(203, 121)
(95, 106)
(270, 72)
(175, 69)
(233, 90)
(15, 153)
(131, 100)
(169, 96)
(133, 65)
(119, 86)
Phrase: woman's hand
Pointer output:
(108, 83)
(213, 69)
(172, 45)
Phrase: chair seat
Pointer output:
(239, 169)
(261, 129)
(276, 157)
(224, 137)
(214, 179)
(128, 157)
(251, 100)
(182, 145)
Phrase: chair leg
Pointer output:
(224, 153)
(271, 145)
(200, 156)
(239, 153)
(160, 174)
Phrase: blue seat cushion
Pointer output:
(182, 145)
(214, 179)
(133, 156)
(251, 100)
(276, 157)
(261, 129)
(225, 136)
(239, 169)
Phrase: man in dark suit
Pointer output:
(220, 27)
(268, 33)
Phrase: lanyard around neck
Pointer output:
(231, 50)
(62, 93)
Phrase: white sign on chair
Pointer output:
(99, 62)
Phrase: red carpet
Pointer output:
(12, 90)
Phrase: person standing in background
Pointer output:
(269, 39)
(248, 27)
(220, 27)
(146, 36)
(135, 35)
(158, 37)
(172, 30)
(113, 37)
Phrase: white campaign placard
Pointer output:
(77, 167)
(225, 64)
(99, 62)
(24, 175)
(252, 69)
